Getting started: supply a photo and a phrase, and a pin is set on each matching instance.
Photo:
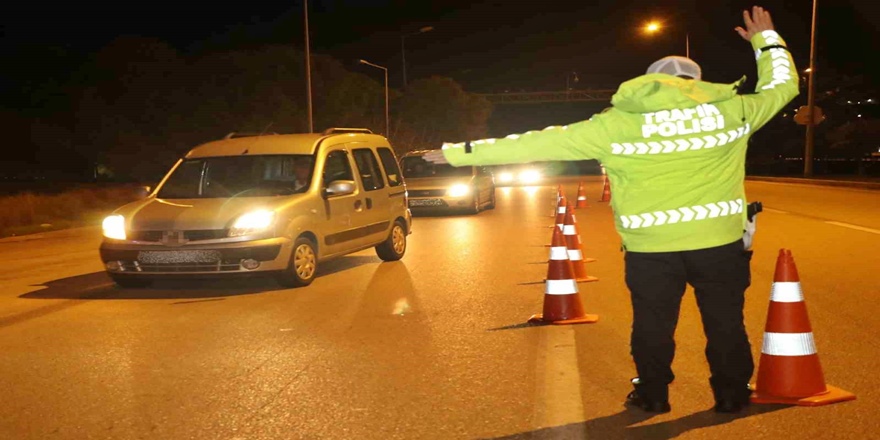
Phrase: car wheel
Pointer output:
(491, 204)
(302, 266)
(393, 248)
(129, 282)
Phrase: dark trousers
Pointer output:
(657, 282)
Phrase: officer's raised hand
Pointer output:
(758, 22)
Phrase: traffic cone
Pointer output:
(575, 248)
(789, 370)
(581, 197)
(560, 212)
(559, 196)
(562, 303)
(606, 190)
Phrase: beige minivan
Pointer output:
(274, 204)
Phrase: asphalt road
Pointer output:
(433, 346)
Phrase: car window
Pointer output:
(337, 167)
(392, 171)
(416, 166)
(185, 182)
(239, 176)
(368, 168)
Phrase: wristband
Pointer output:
(775, 46)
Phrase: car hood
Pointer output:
(193, 214)
(436, 182)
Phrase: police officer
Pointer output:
(674, 149)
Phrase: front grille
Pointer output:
(194, 235)
(426, 192)
(145, 236)
(206, 234)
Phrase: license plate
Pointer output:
(189, 256)
(425, 202)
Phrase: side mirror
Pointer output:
(339, 188)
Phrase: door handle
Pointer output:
(369, 203)
(357, 205)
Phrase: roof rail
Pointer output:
(337, 130)
(233, 134)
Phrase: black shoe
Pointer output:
(653, 406)
(733, 402)
(730, 406)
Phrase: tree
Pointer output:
(436, 110)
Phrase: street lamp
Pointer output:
(653, 27)
(403, 47)
(811, 100)
(308, 67)
(387, 131)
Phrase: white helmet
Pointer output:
(677, 66)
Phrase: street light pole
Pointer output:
(387, 129)
(687, 45)
(308, 68)
(403, 48)
(811, 100)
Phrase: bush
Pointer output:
(74, 207)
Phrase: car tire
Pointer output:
(302, 267)
(129, 282)
(491, 204)
(393, 248)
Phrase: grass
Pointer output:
(28, 213)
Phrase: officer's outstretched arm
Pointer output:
(777, 74)
(578, 141)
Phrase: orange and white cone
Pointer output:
(575, 248)
(789, 370)
(560, 212)
(606, 190)
(581, 197)
(562, 303)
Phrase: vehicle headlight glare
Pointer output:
(114, 227)
(530, 176)
(459, 190)
(252, 222)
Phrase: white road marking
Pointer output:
(858, 228)
(558, 382)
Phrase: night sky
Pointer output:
(485, 45)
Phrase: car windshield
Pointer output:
(239, 176)
(416, 166)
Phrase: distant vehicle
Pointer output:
(274, 204)
(433, 187)
(519, 175)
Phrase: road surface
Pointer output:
(435, 346)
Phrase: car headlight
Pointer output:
(529, 176)
(114, 227)
(252, 223)
(458, 190)
(505, 177)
